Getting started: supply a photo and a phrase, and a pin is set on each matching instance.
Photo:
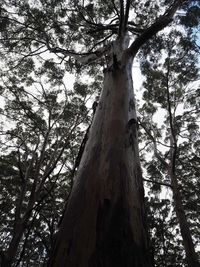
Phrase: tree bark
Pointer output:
(104, 222)
(191, 256)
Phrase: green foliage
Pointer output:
(192, 17)
(166, 245)
(39, 142)
(170, 89)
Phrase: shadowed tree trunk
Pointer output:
(10, 254)
(104, 221)
(171, 170)
(191, 256)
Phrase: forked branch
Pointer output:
(157, 26)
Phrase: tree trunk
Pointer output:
(191, 256)
(104, 223)
(8, 256)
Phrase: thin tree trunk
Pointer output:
(191, 256)
(10, 254)
(104, 225)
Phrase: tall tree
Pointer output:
(168, 91)
(104, 221)
(37, 139)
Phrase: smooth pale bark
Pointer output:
(104, 224)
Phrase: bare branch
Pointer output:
(33, 53)
(102, 41)
(102, 27)
(156, 153)
(157, 26)
(115, 8)
(173, 141)
(83, 58)
(155, 182)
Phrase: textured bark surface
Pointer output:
(104, 224)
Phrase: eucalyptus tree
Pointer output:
(166, 244)
(38, 133)
(172, 88)
(104, 220)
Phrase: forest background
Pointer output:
(50, 83)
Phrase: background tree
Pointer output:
(38, 153)
(170, 90)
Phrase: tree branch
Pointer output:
(83, 58)
(111, 27)
(155, 182)
(121, 22)
(115, 8)
(173, 141)
(102, 41)
(156, 153)
(126, 13)
(157, 26)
